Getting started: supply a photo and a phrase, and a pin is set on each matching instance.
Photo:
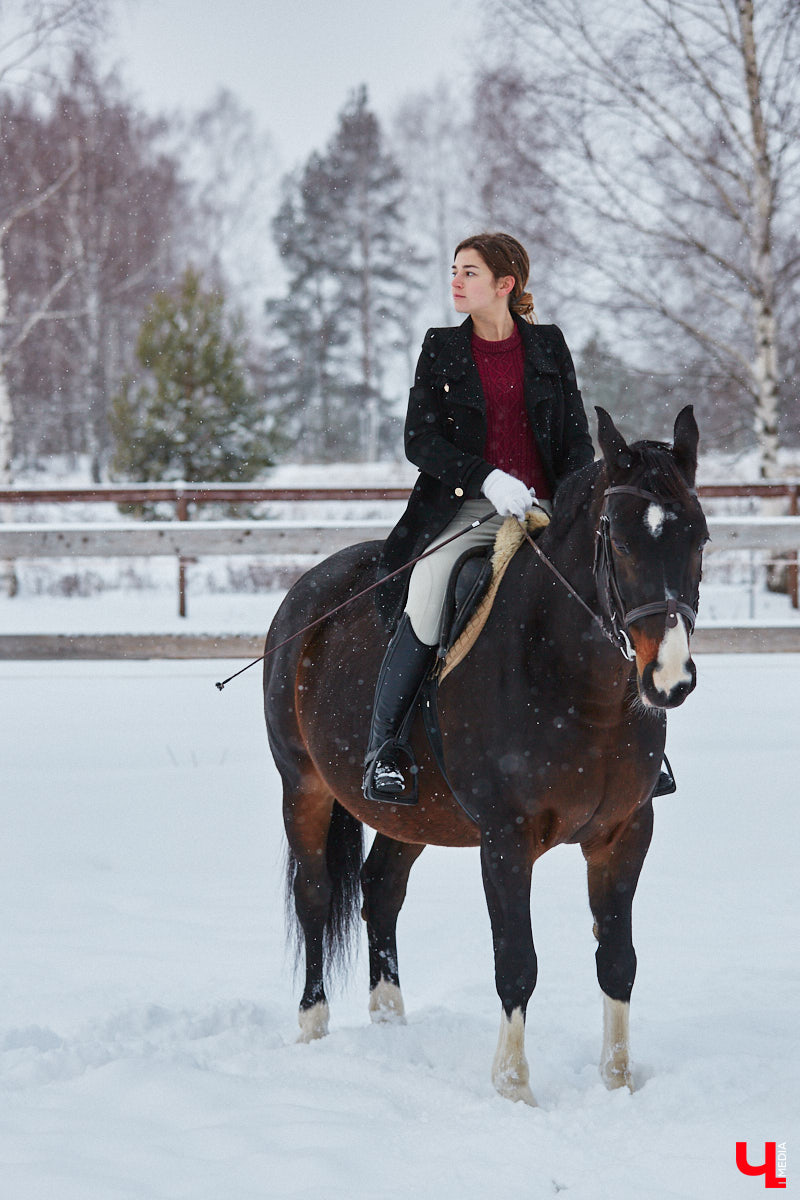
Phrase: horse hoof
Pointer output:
(386, 1004)
(615, 1077)
(516, 1089)
(313, 1022)
(510, 1073)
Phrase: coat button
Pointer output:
(459, 491)
(447, 387)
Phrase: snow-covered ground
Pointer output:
(148, 1013)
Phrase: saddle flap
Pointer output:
(469, 581)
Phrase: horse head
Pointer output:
(648, 556)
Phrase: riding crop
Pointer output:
(358, 595)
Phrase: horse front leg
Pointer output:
(613, 872)
(384, 878)
(506, 863)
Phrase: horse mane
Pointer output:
(572, 496)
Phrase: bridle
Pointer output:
(615, 620)
(618, 619)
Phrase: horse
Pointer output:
(553, 728)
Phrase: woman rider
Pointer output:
(495, 420)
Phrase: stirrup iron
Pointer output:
(386, 756)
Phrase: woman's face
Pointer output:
(475, 289)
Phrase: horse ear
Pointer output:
(685, 438)
(615, 449)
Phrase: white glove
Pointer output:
(508, 494)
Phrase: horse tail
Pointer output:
(344, 858)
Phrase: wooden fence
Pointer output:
(186, 540)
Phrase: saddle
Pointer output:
(471, 590)
(473, 586)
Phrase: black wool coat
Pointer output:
(445, 435)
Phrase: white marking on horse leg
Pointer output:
(386, 1004)
(313, 1022)
(614, 1064)
(673, 657)
(510, 1074)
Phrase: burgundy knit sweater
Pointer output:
(510, 444)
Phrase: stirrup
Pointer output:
(386, 756)
(666, 784)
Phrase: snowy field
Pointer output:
(148, 1012)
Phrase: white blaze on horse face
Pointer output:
(671, 667)
(510, 1072)
(614, 1058)
(654, 519)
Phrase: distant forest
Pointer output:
(652, 171)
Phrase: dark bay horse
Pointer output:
(551, 734)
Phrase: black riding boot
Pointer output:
(666, 780)
(386, 766)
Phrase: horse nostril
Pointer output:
(661, 694)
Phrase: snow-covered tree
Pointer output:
(431, 137)
(231, 167)
(82, 256)
(677, 164)
(342, 329)
(34, 34)
(191, 413)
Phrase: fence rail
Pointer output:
(187, 540)
(130, 539)
(183, 494)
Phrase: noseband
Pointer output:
(618, 618)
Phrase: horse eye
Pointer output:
(620, 547)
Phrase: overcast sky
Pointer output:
(292, 61)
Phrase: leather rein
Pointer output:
(618, 619)
(614, 627)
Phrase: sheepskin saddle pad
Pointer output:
(510, 537)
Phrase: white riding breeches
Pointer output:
(428, 583)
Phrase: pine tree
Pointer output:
(343, 326)
(193, 415)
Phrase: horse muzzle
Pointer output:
(666, 672)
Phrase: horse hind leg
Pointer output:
(383, 880)
(323, 866)
(613, 873)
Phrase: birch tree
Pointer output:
(33, 35)
(430, 137)
(112, 236)
(677, 162)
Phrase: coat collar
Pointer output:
(455, 358)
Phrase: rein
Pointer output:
(358, 595)
(619, 619)
(552, 567)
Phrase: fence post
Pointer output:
(791, 570)
(182, 507)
